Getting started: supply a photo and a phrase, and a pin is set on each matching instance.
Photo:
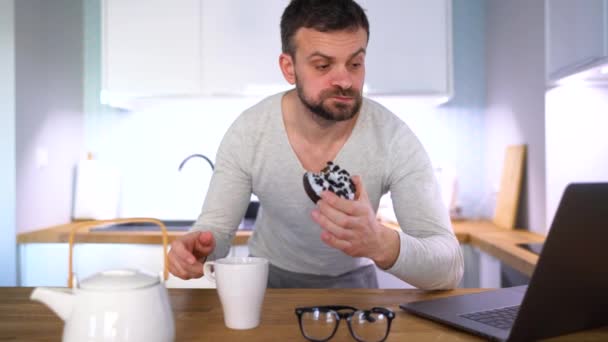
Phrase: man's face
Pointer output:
(329, 71)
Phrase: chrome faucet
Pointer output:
(192, 156)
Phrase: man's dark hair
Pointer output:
(321, 15)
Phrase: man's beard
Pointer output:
(340, 112)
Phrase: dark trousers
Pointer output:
(363, 277)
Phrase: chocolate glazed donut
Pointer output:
(332, 178)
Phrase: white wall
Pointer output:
(515, 67)
(50, 120)
(577, 145)
(8, 263)
(148, 145)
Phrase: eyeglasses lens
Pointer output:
(370, 326)
(318, 325)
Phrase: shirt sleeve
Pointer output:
(430, 256)
(229, 192)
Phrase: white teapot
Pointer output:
(117, 305)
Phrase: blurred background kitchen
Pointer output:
(138, 86)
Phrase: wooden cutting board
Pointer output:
(507, 201)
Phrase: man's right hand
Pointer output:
(188, 253)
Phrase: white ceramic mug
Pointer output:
(241, 285)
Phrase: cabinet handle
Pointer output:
(92, 224)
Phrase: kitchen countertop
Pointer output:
(484, 235)
(198, 316)
(61, 233)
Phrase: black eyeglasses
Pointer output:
(320, 323)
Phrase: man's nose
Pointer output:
(342, 78)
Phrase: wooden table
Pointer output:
(198, 316)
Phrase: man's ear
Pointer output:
(287, 67)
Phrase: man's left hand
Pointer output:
(351, 226)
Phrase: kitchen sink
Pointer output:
(144, 226)
(180, 226)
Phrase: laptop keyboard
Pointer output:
(501, 318)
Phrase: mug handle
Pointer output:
(207, 273)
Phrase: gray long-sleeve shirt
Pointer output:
(255, 157)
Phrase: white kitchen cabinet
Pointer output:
(190, 47)
(151, 47)
(409, 52)
(231, 47)
(46, 264)
(241, 47)
(410, 47)
(576, 36)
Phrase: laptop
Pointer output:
(568, 290)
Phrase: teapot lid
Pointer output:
(113, 280)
